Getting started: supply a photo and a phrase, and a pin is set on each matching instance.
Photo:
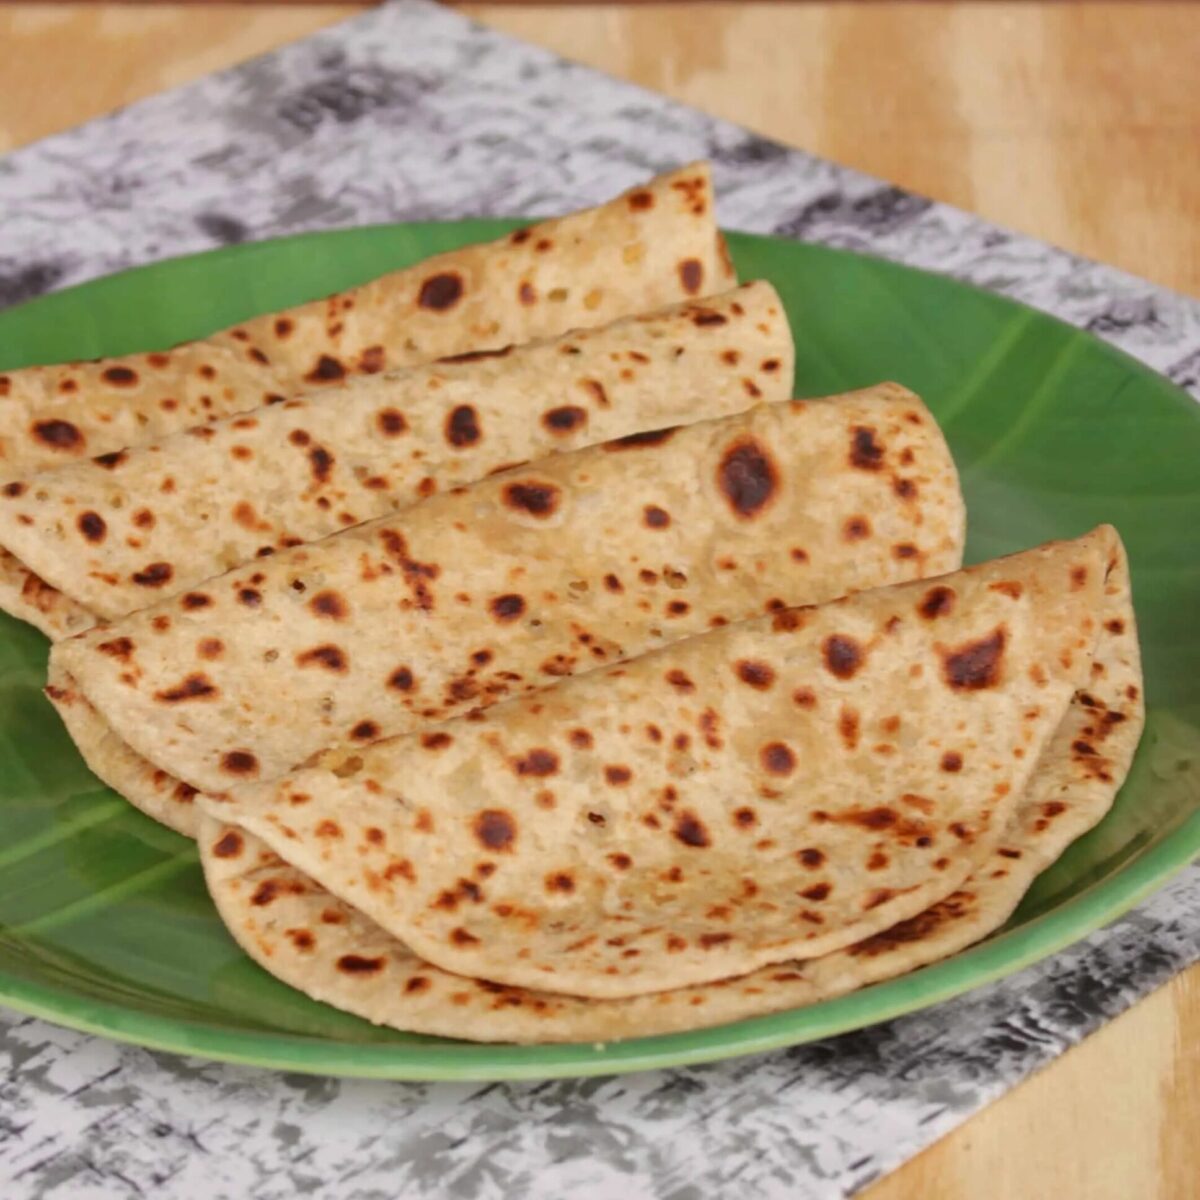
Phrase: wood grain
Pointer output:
(1078, 123)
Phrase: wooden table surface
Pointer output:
(1078, 123)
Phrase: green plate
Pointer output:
(104, 921)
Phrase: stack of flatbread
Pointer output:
(531, 667)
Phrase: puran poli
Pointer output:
(311, 940)
(777, 789)
(117, 534)
(510, 584)
(653, 246)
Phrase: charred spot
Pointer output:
(300, 437)
(747, 478)
(905, 550)
(436, 741)
(239, 762)
(655, 517)
(937, 602)
(877, 897)
(15, 489)
(462, 426)
(250, 597)
(690, 830)
(538, 762)
(848, 727)
(811, 858)
(194, 600)
(228, 845)
(975, 665)
(634, 441)
(210, 648)
(1116, 625)
(613, 583)
(111, 461)
(144, 519)
(581, 739)
(707, 941)
(679, 680)
(365, 731)
(372, 360)
(507, 607)
(537, 499)
(777, 758)
(120, 376)
(1078, 577)
(460, 937)
(706, 316)
(265, 893)
(322, 463)
(856, 528)
(952, 761)
(440, 292)
(906, 489)
(560, 881)
(865, 452)
(328, 656)
(495, 829)
(617, 775)
(481, 658)
(745, 817)
(565, 419)
(754, 674)
(691, 275)
(818, 891)
(356, 964)
(843, 655)
(329, 604)
(526, 292)
(120, 648)
(390, 422)
(191, 687)
(326, 369)
(92, 526)
(60, 435)
(154, 574)
(804, 698)
(1083, 749)
(328, 829)
(641, 201)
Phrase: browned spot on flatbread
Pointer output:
(228, 845)
(441, 292)
(565, 419)
(495, 829)
(58, 435)
(975, 665)
(537, 498)
(330, 657)
(843, 655)
(865, 452)
(196, 686)
(690, 830)
(239, 762)
(92, 526)
(462, 426)
(748, 478)
(691, 275)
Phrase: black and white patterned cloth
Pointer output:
(412, 112)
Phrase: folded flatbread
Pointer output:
(311, 940)
(781, 788)
(509, 585)
(653, 246)
(116, 534)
